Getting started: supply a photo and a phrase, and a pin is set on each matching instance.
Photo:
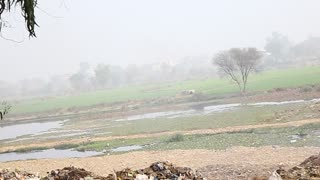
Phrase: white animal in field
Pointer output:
(188, 92)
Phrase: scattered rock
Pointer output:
(71, 173)
(159, 170)
(17, 175)
(275, 176)
(308, 169)
(293, 141)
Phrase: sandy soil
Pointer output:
(234, 163)
(201, 131)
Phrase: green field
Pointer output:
(213, 87)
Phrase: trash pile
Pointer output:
(157, 171)
(17, 175)
(308, 169)
(71, 173)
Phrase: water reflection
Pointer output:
(14, 131)
(46, 154)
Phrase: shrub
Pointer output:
(176, 138)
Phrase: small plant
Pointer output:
(176, 138)
(302, 133)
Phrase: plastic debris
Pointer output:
(157, 171)
(17, 175)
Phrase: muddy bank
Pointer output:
(50, 131)
(190, 132)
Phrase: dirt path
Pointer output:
(190, 132)
(235, 162)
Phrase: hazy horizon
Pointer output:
(142, 31)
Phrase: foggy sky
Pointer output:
(144, 31)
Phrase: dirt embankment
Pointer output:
(234, 163)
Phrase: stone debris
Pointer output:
(157, 171)
(17, 175)
(71, 173)
(308, 169)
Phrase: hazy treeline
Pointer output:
(283, 53)
(104, 76)
(280, 53)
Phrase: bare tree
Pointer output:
(5, 108)
(238, 63)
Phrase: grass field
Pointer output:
(259, 82)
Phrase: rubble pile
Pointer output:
(17, 175)
(159, 170)
(308, 169)
(71, 173)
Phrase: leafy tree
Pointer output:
(238, 63)
(132, 72)
(278, 46)
(27, 9)
(79, 80)
(102, 74)
(308, 48)
(117, 75)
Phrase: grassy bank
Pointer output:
(245, 115)
(214, 87)
(306, 135)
